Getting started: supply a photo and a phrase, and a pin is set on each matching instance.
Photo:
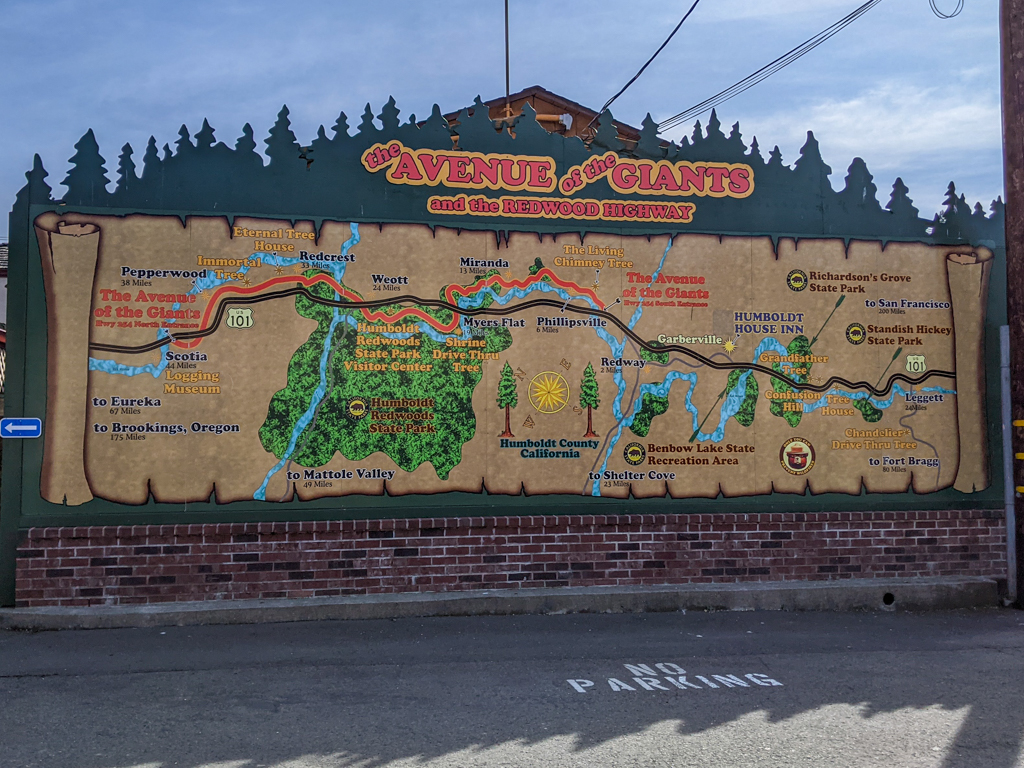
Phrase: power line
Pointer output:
(768, 70)
(647, 64)
(951, 14)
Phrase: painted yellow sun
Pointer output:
(549, 392)
(730, 346)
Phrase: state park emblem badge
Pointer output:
(797, 456)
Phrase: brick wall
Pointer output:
(139, 564)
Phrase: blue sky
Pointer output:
(914, 95)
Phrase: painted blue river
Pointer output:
(732, 402)
(730, 406)
(337, 270)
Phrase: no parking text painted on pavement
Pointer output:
(646, 677)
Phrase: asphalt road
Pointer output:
(865, 689)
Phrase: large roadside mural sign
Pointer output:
(471, 314)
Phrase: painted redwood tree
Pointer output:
(507, 396)
(588, 397)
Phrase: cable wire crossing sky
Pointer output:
(912, 86)
(766, 71)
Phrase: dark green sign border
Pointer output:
(31, 401)
(799, 202)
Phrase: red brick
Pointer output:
(502, 552)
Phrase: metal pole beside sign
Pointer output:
(1008, 486)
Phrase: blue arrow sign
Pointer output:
(20, 427)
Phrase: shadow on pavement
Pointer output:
(375, 692)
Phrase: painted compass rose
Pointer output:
(549, 392)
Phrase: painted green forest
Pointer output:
(333, 430)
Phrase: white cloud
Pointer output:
(896, 121)
(745, 10)
(910, 94)
(889, 123)
(926, 135)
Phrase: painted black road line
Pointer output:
(508, 310)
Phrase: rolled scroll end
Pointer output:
(968, 275)
(69, 253)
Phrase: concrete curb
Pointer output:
(850, 594)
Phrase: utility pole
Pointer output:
(508, 109)
(1012, 37)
